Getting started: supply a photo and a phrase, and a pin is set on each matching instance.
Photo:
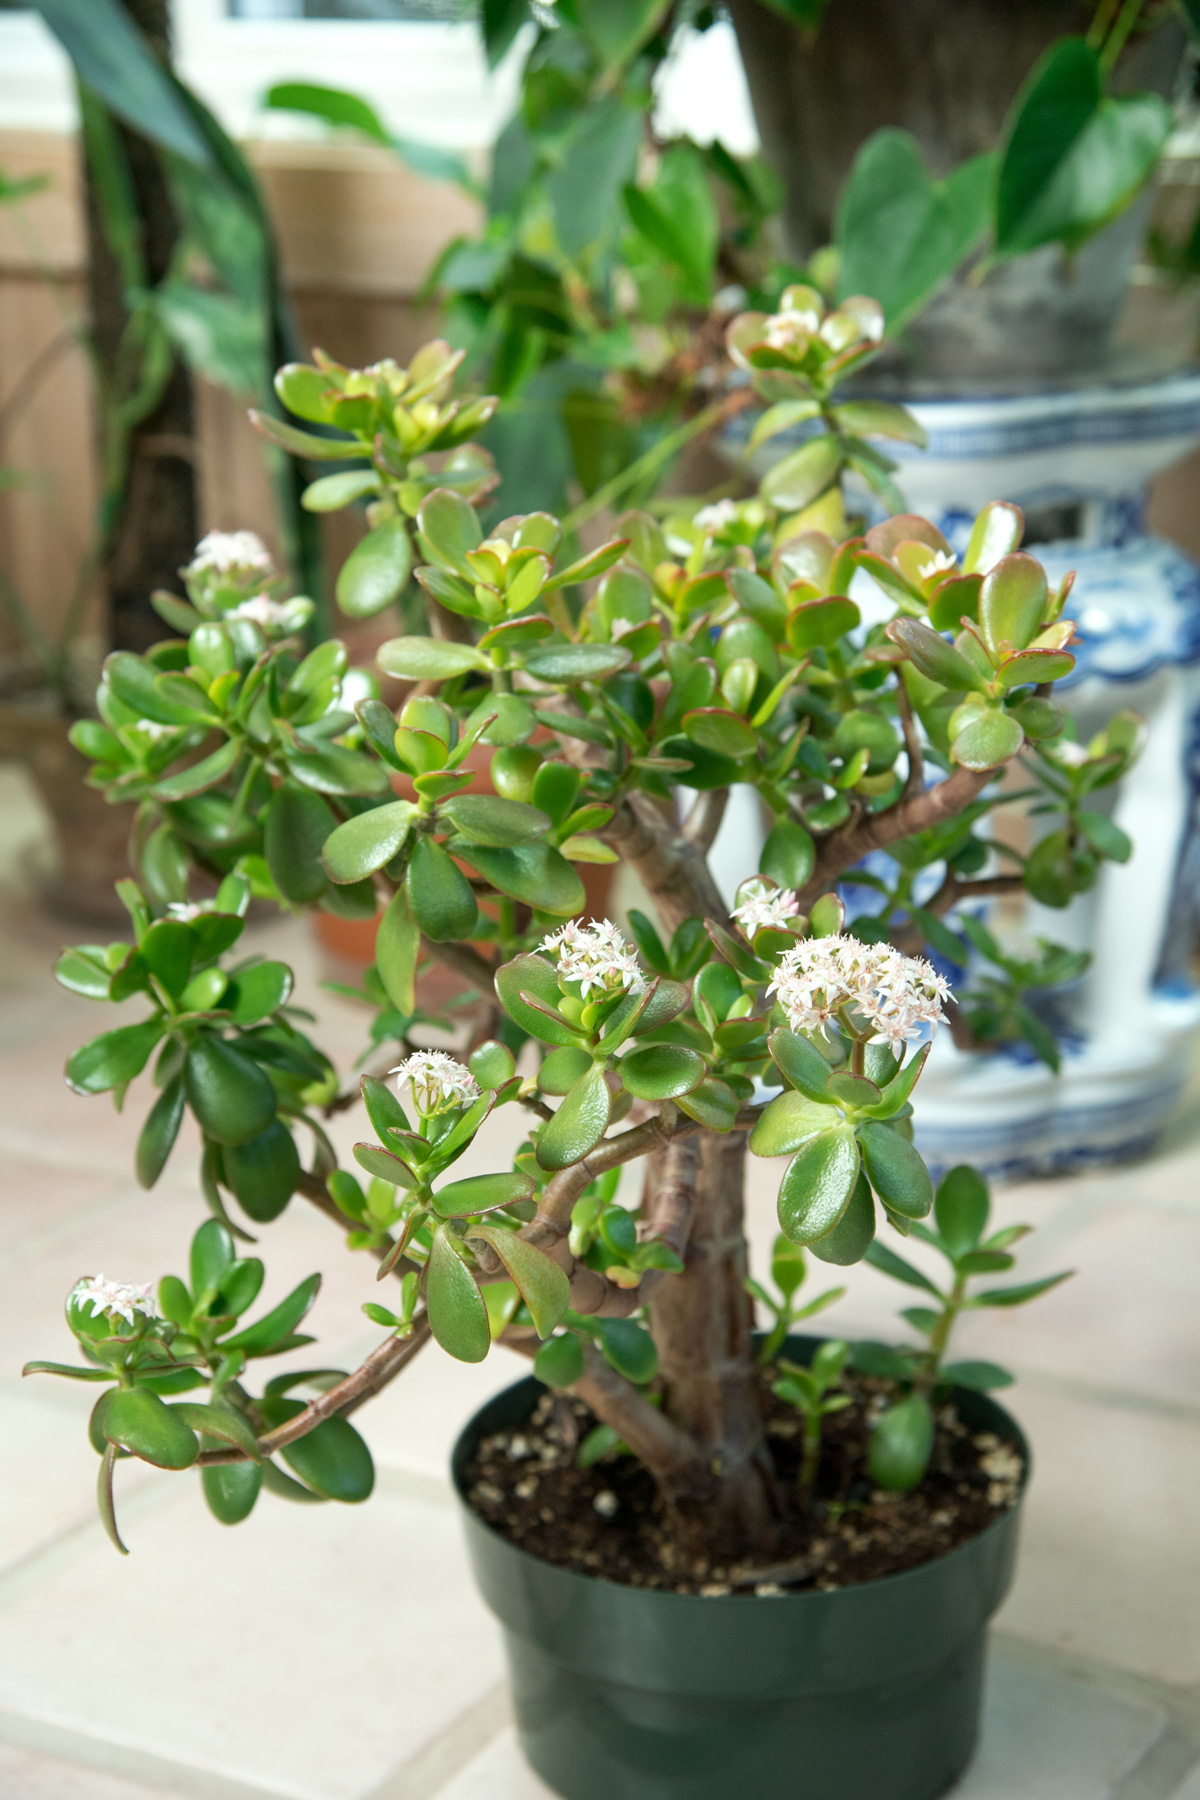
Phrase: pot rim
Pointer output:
(813, 1596)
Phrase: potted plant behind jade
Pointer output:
(659, 1516)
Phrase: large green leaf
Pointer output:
(112, 58)
(457, 1315)
(533, 975)
(438, 893)
(544, 1287)
(264, 1171)
(337, 107)
(365, 843)
(481, 1194)
(579, 1123)
(817, 1185)
(428, 659)
(662, 1071)
(231, 1490)
(397, 946)
(258, 991)
(138, 1421)
(157, 1137)
(1074, 157)
(229, 1094)
(113, 1058)
(789, 1121)
(897, 1173)
(487, 819)
(961, 1206)
(801, 1062)
(596, 162)
(536, 873)
(900, 234)
(274, 1327)
(298, 822)
(850, 1239)
(376, 571)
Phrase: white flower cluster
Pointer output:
(437, 1080)
(712, 518)
(785, 330)
(120, 1297)
(227, 552)
(155, 730)
(761, 904)
(262, 610)
(894, 993)
(596, 956)
(187, 910)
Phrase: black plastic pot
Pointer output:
(866, 1693)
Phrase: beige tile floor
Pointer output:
(332, 1653)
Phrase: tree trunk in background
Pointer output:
(946, 70)
(702, 1322)
(154, 527)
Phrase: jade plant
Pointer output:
(549, 719)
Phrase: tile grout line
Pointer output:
(426, 1774)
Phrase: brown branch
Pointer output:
(672, 1457)
(553, 1220)
(673, 870)
(953, 891)
(464, 960)
(704, 818)
(874, 831)
(673, 1202)
(369, 1379)
(915, 781)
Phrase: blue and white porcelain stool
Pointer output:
(1080, 462)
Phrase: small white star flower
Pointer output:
(438, 1081)
(262, 610)
(1071, 755)
(186, 910)
(597, 957)
(790, 330)
(231, 552)
(761, 904)
(941, 559)
(152, 729)
(712, 518)
(893, 993)
(120, 1298)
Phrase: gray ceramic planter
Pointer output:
(867, 1693)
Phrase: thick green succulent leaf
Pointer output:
(428, 659)
(851, 1238)
(559, 1362)
(457, 1315)
(297, 826)
(481, 1194)
(961, 1207)
(220, 1422)
(157, 1137)
(800, 477)
(932, 656)
(397, 946)
(562, 1069)
(569, 663)
(817, 1185)
(138, 1421)
(901, 1444)
(487, 819)
(801, 1062)
(1012, 601)
(231, 1490)
(113, 1058)
(988, 739)
(332, 1459)
(630, 1349)
(438, 893)
(365, 843)
(662, 1071)
(450, 526)
(231, 1096)
(896, 1093)
(578, 1125)
(713, 1104)
(533, 975)
(789, 1121)
(544, 1287)
(384, 1163)
(896, 1171)
(376, 571)
(264, 1171)
(278, 1325)
(536, 873)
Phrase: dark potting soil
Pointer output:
(607, 1520)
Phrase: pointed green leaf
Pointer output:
(158, 1134)
(276, 1326)
(231, 1096)
(544, 1287)
(481, 1194)
(365, 843)
(487, 819)
(578, 1125)
(428, 659)
(220, 1422)
(397, 946)
(457, 1315)
(438, 893)
(112, 1059)
(896, 1171)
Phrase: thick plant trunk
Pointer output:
(150, 523)
(702, 1322)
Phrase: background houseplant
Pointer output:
(292, 792)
